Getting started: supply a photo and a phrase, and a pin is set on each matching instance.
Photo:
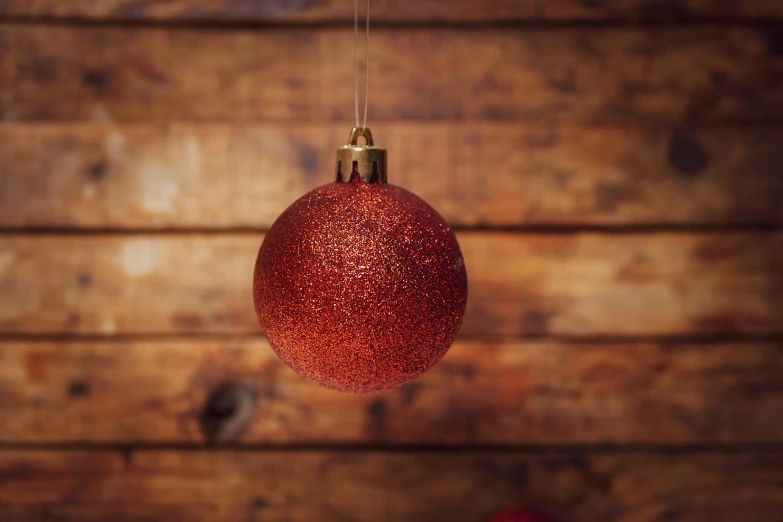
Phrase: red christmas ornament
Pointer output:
(360, 285)
(520, 515)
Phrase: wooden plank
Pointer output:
(391, 10)
(556, 284)
(485, 393)
(504, 174)
(338, 486)
(658, 75)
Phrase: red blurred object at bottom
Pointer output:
(520, 515)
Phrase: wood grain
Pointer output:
(660, 75)
(540, 284)
(482, 393)
(390, 10)
(338, 486)
(217, 176)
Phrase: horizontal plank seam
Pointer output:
(510, 24)
(690, 339)
(627, 229)
(291, 126)
(548, 449)
(640, 120)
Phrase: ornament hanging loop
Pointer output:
(363, 132)
(361, 163)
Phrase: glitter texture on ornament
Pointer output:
(360, 285)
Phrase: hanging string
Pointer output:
(356, 62)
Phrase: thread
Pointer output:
(356, 62)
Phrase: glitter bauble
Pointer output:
(360, 285)
(520, 515)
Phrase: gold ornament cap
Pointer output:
(365, 163)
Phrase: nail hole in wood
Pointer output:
(228, 412)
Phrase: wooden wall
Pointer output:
(622, 355)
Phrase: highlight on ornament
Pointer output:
(360, 285)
